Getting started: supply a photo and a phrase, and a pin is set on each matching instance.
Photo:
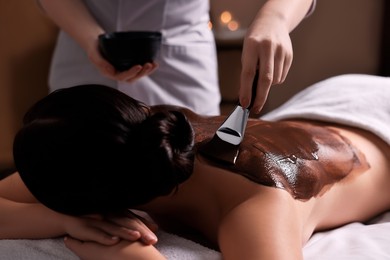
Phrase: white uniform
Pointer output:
(187, 73)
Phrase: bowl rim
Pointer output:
(130, 35)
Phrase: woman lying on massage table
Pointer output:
(93, 150)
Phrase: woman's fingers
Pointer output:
(145, 220)
(107, 232)
(135, 223)
(100, 230)
(123, 250)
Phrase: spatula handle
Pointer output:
(254, 89)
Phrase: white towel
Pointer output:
(35, 249)
(171, 246)
(355, 241)
(356, 100)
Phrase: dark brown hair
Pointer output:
(92, 149)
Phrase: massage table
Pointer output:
(357, 241)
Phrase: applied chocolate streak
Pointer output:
(301, 158)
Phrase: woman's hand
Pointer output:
(109, 231)
(106, 69)
(142, 227)
(124, 250)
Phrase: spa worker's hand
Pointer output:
(267, 47)
(84, 29)
(110, 230)
(132, 74)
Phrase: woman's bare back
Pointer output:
(333, 165)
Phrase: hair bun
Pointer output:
(163, 145)
(168, 129)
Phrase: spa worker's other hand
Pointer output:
(110, 230)
(74, 18)
(268, 48)
(105, 68)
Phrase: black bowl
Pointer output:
(127, 49)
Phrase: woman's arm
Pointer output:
(267, 45)
(124, 250)
(23, 217)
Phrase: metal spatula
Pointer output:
(224, 146)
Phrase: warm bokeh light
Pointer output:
(226, 17)
(233, 25)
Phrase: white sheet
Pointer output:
(172, 246)
(362, 101)
(355, 241)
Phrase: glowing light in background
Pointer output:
(233, 26)
(227, 21)
(225, 17)
(226, 27)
